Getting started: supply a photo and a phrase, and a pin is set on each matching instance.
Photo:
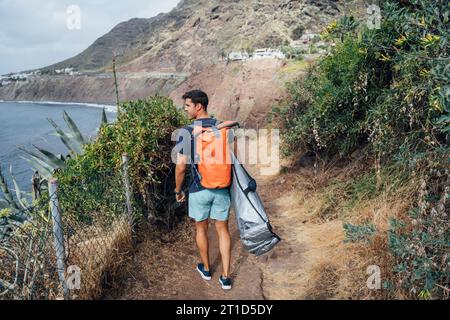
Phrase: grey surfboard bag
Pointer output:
(253, 224)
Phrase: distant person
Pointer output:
(212, 202)
(36, 185)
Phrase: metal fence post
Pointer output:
(58, 234)
(126, 181)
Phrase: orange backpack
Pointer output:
(213, 159)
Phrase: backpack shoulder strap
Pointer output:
(227, 124)
(196, 130)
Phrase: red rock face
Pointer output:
(241, 91)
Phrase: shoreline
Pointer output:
(108, 107)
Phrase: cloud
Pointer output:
(34, 34)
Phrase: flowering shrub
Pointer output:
(143, 130)
(387, 89)
(421, 243)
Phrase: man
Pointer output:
(204, 204)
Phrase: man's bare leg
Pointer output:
(224, 246)
(202, 241)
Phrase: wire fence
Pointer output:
(77, 233)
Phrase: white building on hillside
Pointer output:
(69, 71)
(19, 76)
(268, 53)
(238, 55)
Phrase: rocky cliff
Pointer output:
(242, 91)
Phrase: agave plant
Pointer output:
(44, 161)
(14, 211)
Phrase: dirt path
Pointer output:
(301, 266)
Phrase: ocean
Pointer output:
(25, 123)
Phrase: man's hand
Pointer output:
(180, 172)
(181, 197)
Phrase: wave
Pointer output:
(108, 107)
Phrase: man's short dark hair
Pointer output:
(197, 96)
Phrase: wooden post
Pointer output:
(33, 192)
(58, 235)
(116, 86)
(126, 181)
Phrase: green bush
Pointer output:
(292, 53)
(87, 193)
(388, 87)
(143, 130)
(323, 112)
(421, 242)
(298, 32)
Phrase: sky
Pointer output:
(34, 34)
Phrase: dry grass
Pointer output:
(311, 210)
(145, 276)
(100, 255)
(98, 249)
(377, 212)
(295, 67)
(36, 275)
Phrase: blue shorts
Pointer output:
(210, 203)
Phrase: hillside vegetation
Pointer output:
(382, 95)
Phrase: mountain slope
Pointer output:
(121, 38)
(196, 32)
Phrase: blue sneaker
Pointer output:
(225, 283)
(205, 274)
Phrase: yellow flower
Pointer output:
(331, 26)
(423, 72)
(429, 39)
(362, 50)
(436, 105)
(422, 22)
(400, 40)
(5, 213)
(424, 294)
(384, 58)
(324, 34)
